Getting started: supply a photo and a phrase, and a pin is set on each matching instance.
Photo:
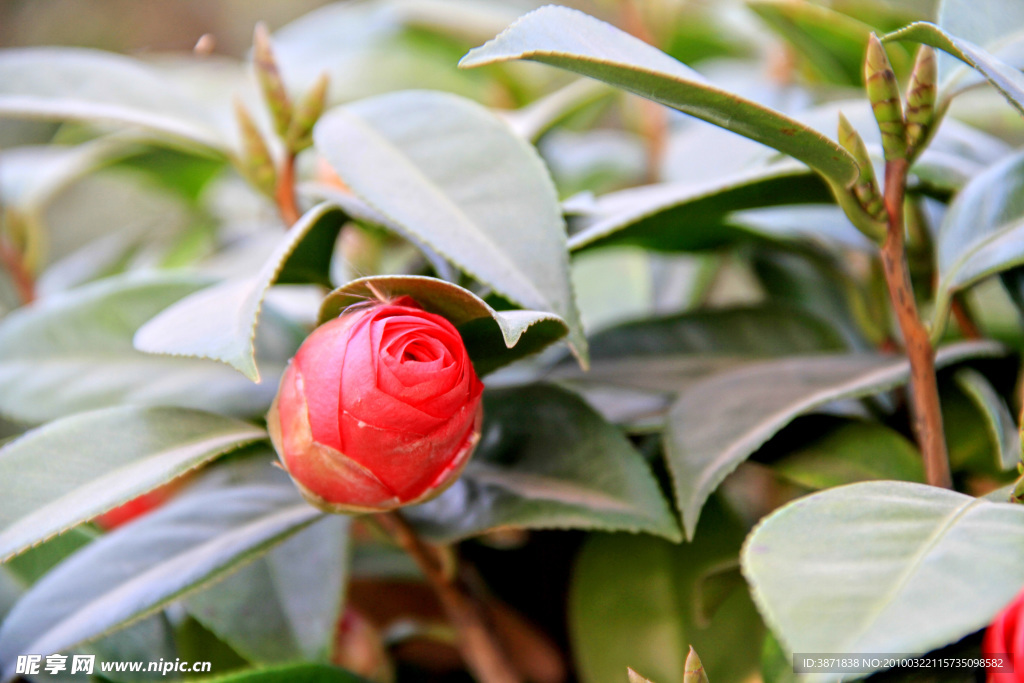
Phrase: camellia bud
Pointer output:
(921, 98)
(865, 188)
(379, 408)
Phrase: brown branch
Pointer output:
(14, 264)
(964, 320)
(480, 650)
(924, 392)
(285, 193)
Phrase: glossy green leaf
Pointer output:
(982, 232)
(1006, 79)
(856, 451)
(571, 40)
(78, 467)
(73, 352)
(690, 216)
(426, 161)
(921, 567)
(278, 609)
(189, 542)
(547, 461)
(539, 116)
(719, 422)
(1002, 428)
(638, 601)
(493, 338)
(831, 43)
(99, 87)
(292, 673)
(30, 565)
(220, 322)
(10, 592)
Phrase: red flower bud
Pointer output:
(1005, 637)
(379, 408)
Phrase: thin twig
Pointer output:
(480, 650)
(964, 319)
(285, 194)
(924, 392)
(14, 264)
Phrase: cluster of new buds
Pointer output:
(293, 122)
(904, 129)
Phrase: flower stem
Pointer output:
(285, 193)
(477, 643)
(924, 392)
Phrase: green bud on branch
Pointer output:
(274, 94)
(693, 669)
(921, 99)
(257, 164)
(865, 188)
(884, 95)
(307, 113)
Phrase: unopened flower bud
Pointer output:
(921, 98)
(884, 95)
(380, 408)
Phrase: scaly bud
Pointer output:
(307, 113)
(257, 164)
(865, 188)
(693, 669)
(921, 98)
(274, 94)
(884, 94)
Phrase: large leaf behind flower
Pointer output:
(547, 461)
(220, 322)
(458, 178)
(493, 338)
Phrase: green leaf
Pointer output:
(751, 331)
(572, 40)
(182, 546)
(426, 161)
(99, 87)
(220, 322)
(830, 42)
(277, 609)
(856, 451)
(538, 117)
(78, 467)
(921, 567)
(36, 561)
(493, 338)
(547, 461)
(718, 422)
(986, 23)
(292, 673)
(981, 233)
(1002, 428)
(637, 601)
(691, 216)
(1006, 79)
(10, 591)
(73, 351)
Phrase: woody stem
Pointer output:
(924, 392)
(476, 641)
